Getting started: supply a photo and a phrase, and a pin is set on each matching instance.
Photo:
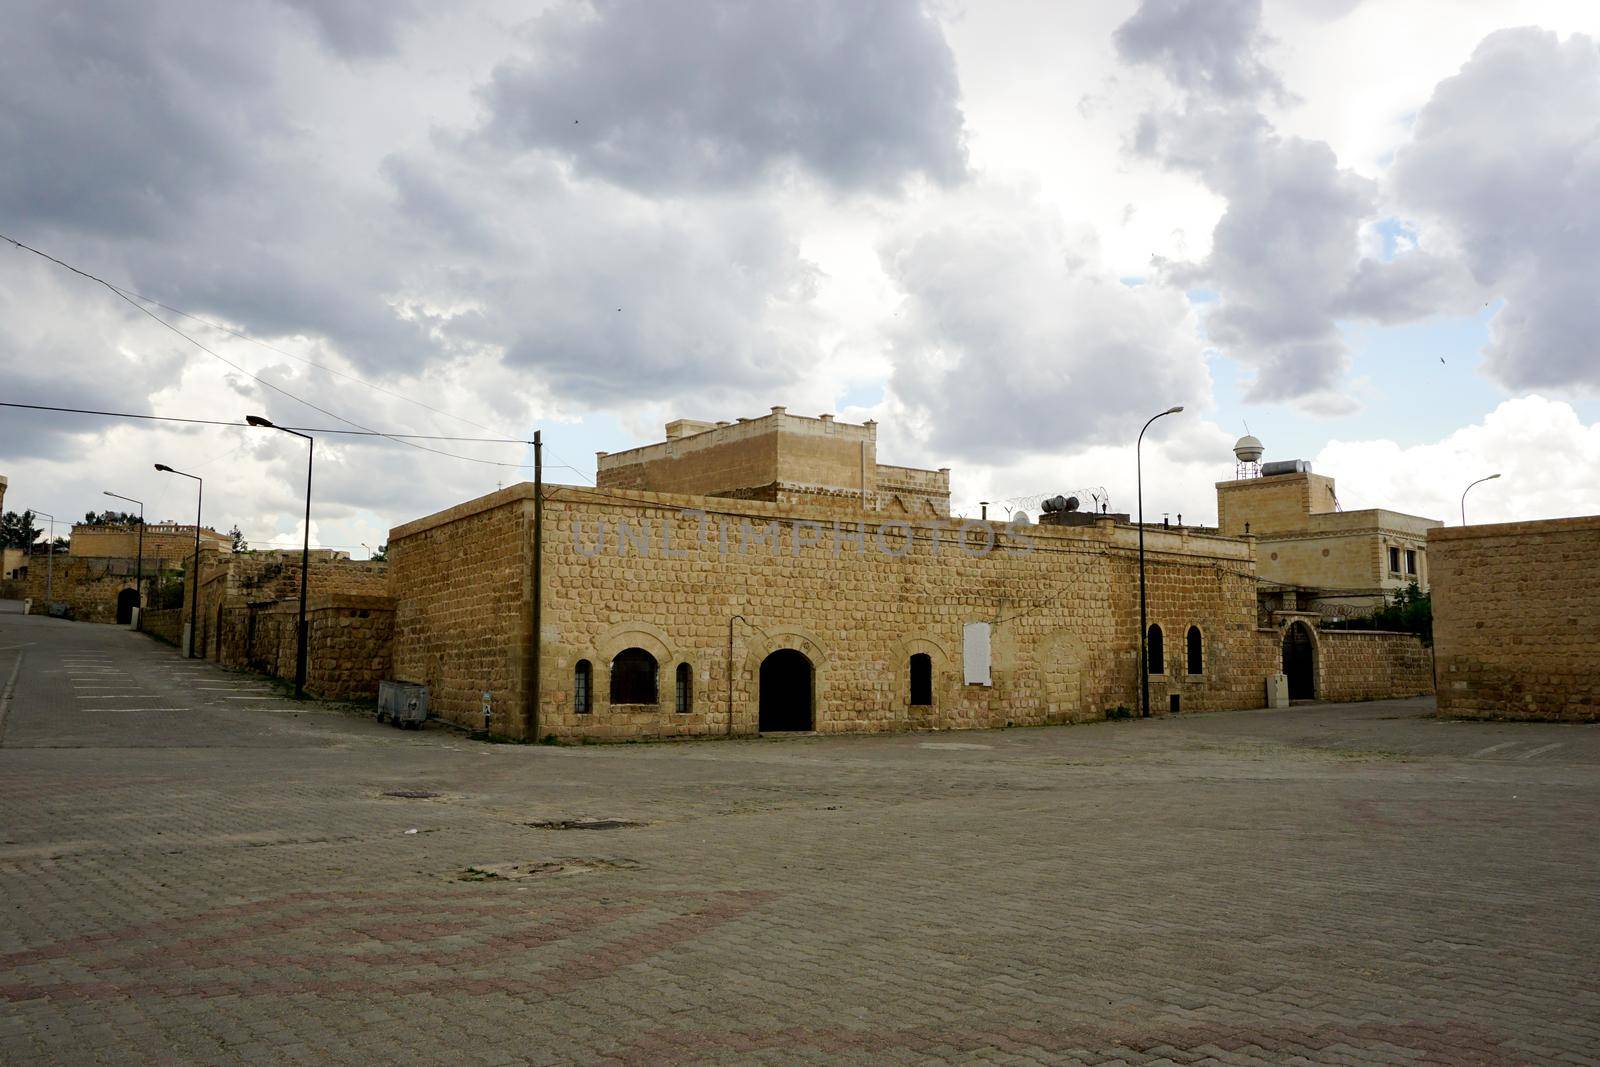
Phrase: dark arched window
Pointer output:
(1196, 650)
(921, 679)
(633, 677)
(685, 689)
(582, 687)
(1155, 650)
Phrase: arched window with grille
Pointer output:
(582, 687)
(1155, 650)
(921, 680)
(1196, 651)
(633, 677)
(684, 700)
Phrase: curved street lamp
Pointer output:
(1144, 626)
(194, 578)
(1467, 490)
(305, 557)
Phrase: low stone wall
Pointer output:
(1373, 665)
(165, 624)
(348, 650)
(1516, 607)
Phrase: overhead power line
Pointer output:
(124, 296)
(301, 429)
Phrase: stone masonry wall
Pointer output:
(165, 624)
(348, 651)
(462, 613)
(1064, 617)
(1371, 665)
(1517, 619)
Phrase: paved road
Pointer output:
(194, 869)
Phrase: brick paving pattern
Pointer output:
(195, 869)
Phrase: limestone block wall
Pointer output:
(349, 646)
(463, 580)
(1517, 619)
(1063, 617)
(89, 587)
(1372, 665)
(165, 624)
(233, 580)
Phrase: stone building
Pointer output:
(162, 540)
(779, 458)
(1312, 554)
(1516, 613)
(770, 575)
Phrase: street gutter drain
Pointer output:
(584, 824)
(412, 794)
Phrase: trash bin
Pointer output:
(404, 704)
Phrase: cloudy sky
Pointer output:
(1009, 231)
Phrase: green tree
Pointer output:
(239, 543)
(18, 531)
(1409, 611)
(382, 553)
(110, 518)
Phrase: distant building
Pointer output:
(165, 540)
(1320, 557)
(779, 458)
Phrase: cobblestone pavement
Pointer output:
(195, 869)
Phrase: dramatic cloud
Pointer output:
(1210, 46)
(1546, 457)
(1286, 257)
(1012, 337)
(1506, 155)
(718, 94)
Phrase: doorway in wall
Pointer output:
(786, 678)
(1299, 662)
(127, 600)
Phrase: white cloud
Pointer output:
(1506, 157)
(1546, 456)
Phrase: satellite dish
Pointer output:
(1020, 518)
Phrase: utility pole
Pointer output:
(531, 728)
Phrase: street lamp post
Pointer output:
(1467, 490)
(1144, 626)
(138, 567)
(194, 578)
(305, 557)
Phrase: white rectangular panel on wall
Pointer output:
(975, 653)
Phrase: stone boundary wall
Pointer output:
(1372, 665)
(1517, 619)
(165, 624)
(348, 650)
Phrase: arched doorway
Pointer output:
(785, 691)
(127, 600)
(1299, 662)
